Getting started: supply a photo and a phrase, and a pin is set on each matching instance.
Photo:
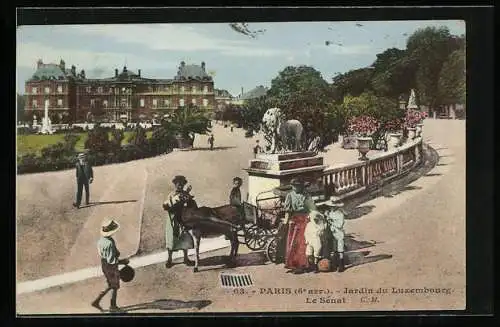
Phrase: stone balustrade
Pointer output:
(344, 180)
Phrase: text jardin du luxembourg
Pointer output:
(398, 290)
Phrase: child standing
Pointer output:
(109, 254)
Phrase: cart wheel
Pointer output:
(272, 250)
(255, 238)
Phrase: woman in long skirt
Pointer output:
(297, 206)
(175, 238)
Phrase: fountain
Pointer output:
(46, 123)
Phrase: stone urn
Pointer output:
(412, 133)
(364, 146)
(419, 129)
(183, 142)
(394, 140)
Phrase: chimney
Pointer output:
(116, 72)
(62, 64)
(82, 73)
(39, 63)
(73, 70)
(203, 65)
(242, 90)
(139, 72)
(124, 68)
(183, 64)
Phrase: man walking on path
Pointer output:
(211, 140)
(84, 177)
(109, 254)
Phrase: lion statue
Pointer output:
(283, 135)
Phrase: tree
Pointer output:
(293, 80)
(430, 48)
(252, 112)
(98, 140)
(451, 84)
(189, 121)
(301, 93)
(354, 82)
(394, 73)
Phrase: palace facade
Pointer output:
(126, 95)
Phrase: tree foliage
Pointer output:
(302, 93)
(430, 48)
(252, 112)
(189, 121)
(353, 83)
(452, 81)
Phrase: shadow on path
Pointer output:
(257, 258)
(359, 212)
(165, 304)
(353, 259)
(216, 148)
(432, 174)
(91, 204)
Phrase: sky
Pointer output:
(236, 61)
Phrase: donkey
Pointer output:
(205, 222)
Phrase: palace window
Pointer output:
(181, 102)
(182, 89)
(35, 103)
(141, 103)
(205, 102)
(166, 102)
(193, 101)
(105, 103)
(59, 102)
(59, 89)
(155, 103)
(34, 90)
(194, 89)
(88, 89)
(92, 103)
(205, 89)
(47, 90)
(99, 89)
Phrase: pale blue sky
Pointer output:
(237, 60)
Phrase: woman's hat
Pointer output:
(82, 155)
(109, 227)
(237, 179)
(179, 179)
(297, 181)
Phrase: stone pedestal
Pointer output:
(269, 171)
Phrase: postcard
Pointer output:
(241, 167)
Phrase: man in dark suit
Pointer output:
(84, 177)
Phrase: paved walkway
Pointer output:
(415, 238)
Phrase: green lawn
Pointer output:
(35, 143)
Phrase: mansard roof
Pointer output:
(197, 72)
(50, 71)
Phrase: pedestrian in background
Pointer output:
(256, 149)
(84, 177)
(109, 254)
(211, 141)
